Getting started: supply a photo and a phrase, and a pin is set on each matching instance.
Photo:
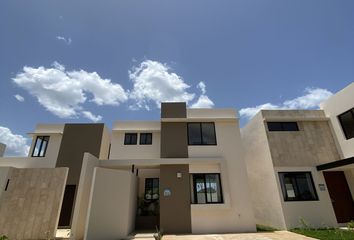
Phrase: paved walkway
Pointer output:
(278, 235)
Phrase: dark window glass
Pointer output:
(145, 138)
(282, 126)
(347, 122)
(130, 138)
(297, 186)
(201, 134)
(67, 206)
(206, 188)
(151, 188)
(40, 147)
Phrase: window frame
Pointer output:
(129, 143)
(40, 146)
(194, 189)
(282, 127)
(201, 134)
(345, 133)
(141, 143)
(296, 189)
(152, 188)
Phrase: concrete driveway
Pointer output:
(278, 235)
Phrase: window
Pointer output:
(297, 186)
(151, 188)
(282, 126)
(201, 134)
(40, 147)
(130, 138)
(145, 138)
(347, 122)
(206, 188)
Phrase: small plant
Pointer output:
(350, 225)
(3, 237)
(304, 224)
(159, 233)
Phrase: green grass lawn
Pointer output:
(326, 234)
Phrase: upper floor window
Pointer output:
(151, 188)
(347, 122)
(282, 126)
(40, 146)
(145, 138)
(297, 186)
(206, 188)
(130, 138)
(201, 134)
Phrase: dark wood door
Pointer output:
(341, 197)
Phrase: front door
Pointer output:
(341, 197)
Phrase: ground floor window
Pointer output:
(297, 186)
(151, 188)
(206, 188)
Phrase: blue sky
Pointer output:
(85, 61)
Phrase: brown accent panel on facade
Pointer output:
(29, 208)
(173, 110)
(175, 209)
(174, 140)
(78, 139)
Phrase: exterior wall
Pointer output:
(334, 106)
(4, 172)
(105, 144)
(314, 213)
(112, 205)
(236, 213)
(174, 140)
(30, 207)
(121, 151)
(52, 151)
(263, 184)
(175, 210)
(311, 146)
(78, 139)
(2, 149)
(83, 196)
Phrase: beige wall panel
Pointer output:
(112, 204)
(349, 175)
(83, 195)
(263, 186)
(4, 172)
(311, 146)
(121, 151)
(236, 213)
(30, 207)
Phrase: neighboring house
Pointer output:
(184, 174)
(300, 164)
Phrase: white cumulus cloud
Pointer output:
(203, 100)
(310, 100)
(64, 39)
(92, 117)
(64, 92)
(19, 98)
(155, 82)
(16, 145)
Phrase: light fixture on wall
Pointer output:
(179, 175)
